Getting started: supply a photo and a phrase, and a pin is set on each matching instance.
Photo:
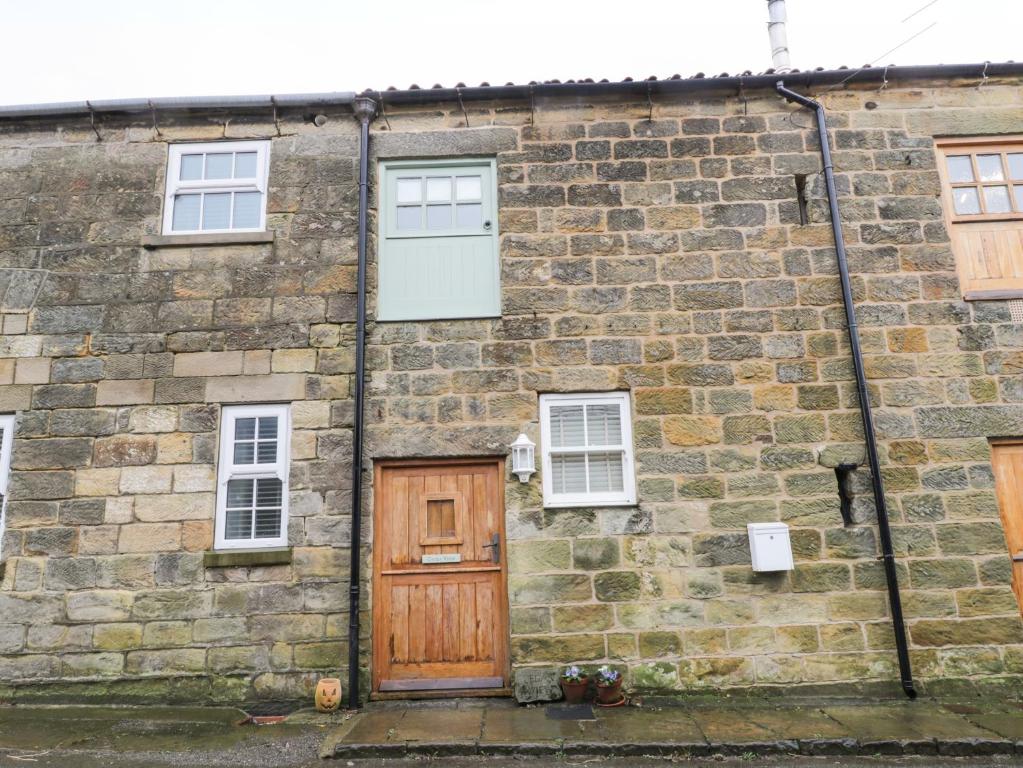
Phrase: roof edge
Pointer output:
(642, 88)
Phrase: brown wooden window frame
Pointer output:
(998, 235)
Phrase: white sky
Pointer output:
(65, 50)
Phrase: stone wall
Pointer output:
(665, 256)
(656, 252)
(117, 359)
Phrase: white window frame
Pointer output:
(625, 497)
(228, 470)
(176, 186)
(7, 424)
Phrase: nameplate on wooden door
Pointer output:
(435, 559)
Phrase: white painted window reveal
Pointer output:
(6, 442)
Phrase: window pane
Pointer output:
(566, 426)
(410, 217)
(469, 216)
(966, 200)
(268, 523)
(239, 493)
(438, 217)
(218, 165)
(604, 424)
(245, 429)
(245, 165)
(996, 199)
(216, 211)
(245, 453)
(606, 473)
(469, 187)
(266, 453)
(268, 428)
(569, 473)
(268, 492)
(268, 508)
(438, 190)
(238, 524)
(410, 190)
(1016, 165)
(247, 207)
(191, 167)
(990, 167)
(1018, 189)
(960, 168)
(186, 213)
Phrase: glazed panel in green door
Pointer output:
(438, 241)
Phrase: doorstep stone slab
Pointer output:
(432, 725)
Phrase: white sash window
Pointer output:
(587, 450)
(252, 488)
(216, 188)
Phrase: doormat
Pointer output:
(570, 712)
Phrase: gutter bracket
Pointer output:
(152, 112)
(92, 121)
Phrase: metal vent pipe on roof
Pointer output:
(779, 38)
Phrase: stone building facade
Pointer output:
(655, 246)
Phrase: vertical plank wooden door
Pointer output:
(440, 606)
(1007, 459)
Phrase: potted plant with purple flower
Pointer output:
(574, 683)
(609, 687)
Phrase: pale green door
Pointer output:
(438, 241)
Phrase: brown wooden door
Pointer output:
(440, 606)
(1007, 459)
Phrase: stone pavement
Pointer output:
(698, 729)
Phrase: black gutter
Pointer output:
(870, 436)
(676, 84)
(365, 109)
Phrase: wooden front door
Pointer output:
(440, 606)
(1007, 459)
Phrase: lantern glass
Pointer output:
(523, 458)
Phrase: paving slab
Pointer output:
(730, 725)
(662, 726)
(906, 721)
(1006, 725)
(801, 723)
(518, 726)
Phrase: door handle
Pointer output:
(495, 547)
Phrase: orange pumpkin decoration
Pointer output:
(328, 694)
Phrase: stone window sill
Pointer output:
(199, 240)
(233, 558)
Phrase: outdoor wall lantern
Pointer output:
(523, 457)
(844, 474)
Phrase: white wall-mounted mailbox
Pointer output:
(769, 546)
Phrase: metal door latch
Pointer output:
(495, 547)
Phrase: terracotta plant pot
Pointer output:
(610, 694)
(574, 692)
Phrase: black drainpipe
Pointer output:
(365, 108)
(887, 555)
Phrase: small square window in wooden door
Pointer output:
(440, 518)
